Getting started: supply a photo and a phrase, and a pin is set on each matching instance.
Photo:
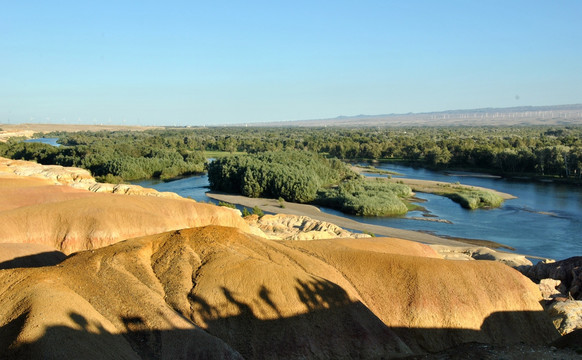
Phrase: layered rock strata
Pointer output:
(217, 292)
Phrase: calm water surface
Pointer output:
(50, 141)
(545, 220)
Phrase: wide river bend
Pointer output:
(544, 220)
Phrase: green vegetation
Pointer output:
(246, 212)
(257, 211)
(373, 170)
(116, 156)
(467, 196)
(292, 175)
(214, 154)
(307, 177)
(226, 204)
(474, 199)
(366, 198)
(534, 150)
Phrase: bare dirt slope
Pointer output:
(217, 292)
(33, 210)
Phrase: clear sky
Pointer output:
(223, 62)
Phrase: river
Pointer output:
(545, 220)
(49, 141)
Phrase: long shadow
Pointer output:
(49, 258)
(331, 327)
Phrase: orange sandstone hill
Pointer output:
(34, 210)
(217, 292)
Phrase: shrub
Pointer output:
(366, 198)
(474, 199)
(291, 175)
(257, 211)
(226, 204)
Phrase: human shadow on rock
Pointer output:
(49, 258)
(332, 326)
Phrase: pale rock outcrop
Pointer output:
(549, 288)
(75, 177)
(295, 227)
(566, 315)
(127, 190)
(58, 174)
(560, 283)
(481, 253)
(568, 271)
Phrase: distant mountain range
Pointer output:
(520, 115)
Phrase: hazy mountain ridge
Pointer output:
(570, 114)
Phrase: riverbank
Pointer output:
(273, 206)
(438, 187)
(448, 248)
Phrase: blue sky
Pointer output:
(224, 62)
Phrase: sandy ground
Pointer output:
(27, 130)
(434, 186)
(272, 205)
(431, 186)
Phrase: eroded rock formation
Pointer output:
(207, 291)
(33, 210)
(217, 292)
(295, 227)
(75, 177)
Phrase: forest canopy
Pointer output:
(554, 151)
(292, 175)
(306, 177)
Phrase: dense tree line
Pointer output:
(536, 150)
(502, 150)
(306, 177)
(114, 157)
(292, 175)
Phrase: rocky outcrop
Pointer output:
(560, 283)
(128, 190)
(568, 271)
(481, 253)
(75, 177)
(216, 292)
(295, 227)
(57, 174)
(566, 315)
(551, 289)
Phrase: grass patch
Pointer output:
(226, 204)
(373, 170)
(366, 198)
(475, 199)
(467, 196)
